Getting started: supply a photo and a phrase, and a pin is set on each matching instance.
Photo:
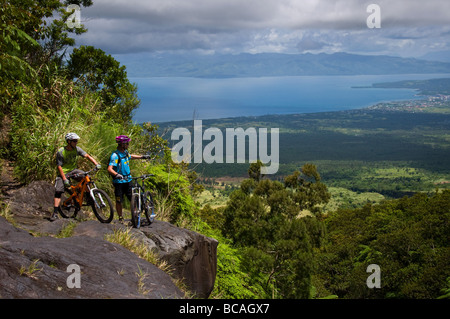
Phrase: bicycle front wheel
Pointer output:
(101, 205)
(135, 211)
(149, 207)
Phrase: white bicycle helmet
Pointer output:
(72, 136)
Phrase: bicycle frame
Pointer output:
(80, 189)
(87, 192)
(139, 190)
(139, 200)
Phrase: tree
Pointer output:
(13, 65)
(308, 192)
(264, 218)
(408, 239)
(97, 71)
(254, 171)
(33, 38)
(45, 22)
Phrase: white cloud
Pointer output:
(265, 25)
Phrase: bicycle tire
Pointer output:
(102, 206)
(149, 207)
(68, 208)
(135, 212)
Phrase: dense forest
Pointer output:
(275, 238)
(392, 153)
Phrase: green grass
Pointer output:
(31, 271)
(214, 197)
(344, 198)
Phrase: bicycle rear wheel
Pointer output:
(135, 211)
(68, 207)
(149, 207)
(101, 205)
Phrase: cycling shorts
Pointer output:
(121, 189)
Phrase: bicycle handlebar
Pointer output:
(145, 176)
(82, 174)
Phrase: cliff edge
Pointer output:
(34, 263)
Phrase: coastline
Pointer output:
(181, 100)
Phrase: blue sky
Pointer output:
(409, 28)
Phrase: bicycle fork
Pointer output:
(100, 197)
(138, 206)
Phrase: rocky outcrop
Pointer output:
(114, 270)
(193, 256)
(75, 267)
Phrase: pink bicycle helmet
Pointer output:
(122, 139)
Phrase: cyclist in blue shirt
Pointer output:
(119, 169)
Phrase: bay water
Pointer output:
(166, 99)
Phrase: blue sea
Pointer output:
(179, 98)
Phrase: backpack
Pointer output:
(119, 162)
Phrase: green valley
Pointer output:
(390, 149)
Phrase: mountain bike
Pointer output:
(85, 193)
(141, 201)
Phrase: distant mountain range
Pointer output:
(275, 64)
(442, 56)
